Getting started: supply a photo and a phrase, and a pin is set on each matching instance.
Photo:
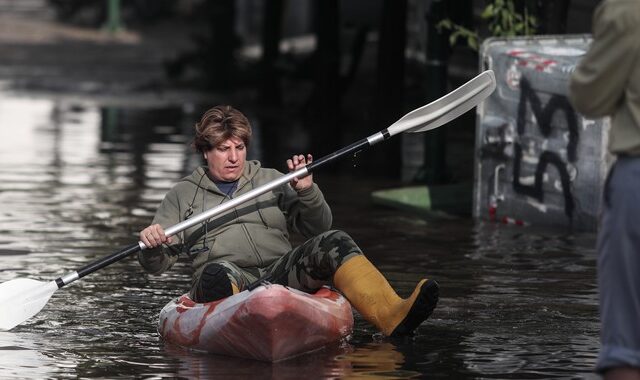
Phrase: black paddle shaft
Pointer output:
(353, 148)
(98, 264)
(106, 261)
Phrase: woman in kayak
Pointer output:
(251, 241)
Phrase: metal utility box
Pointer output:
(537, 161)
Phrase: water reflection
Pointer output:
(19, 358)
(371, 361)
(78, 180)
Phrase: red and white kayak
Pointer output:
(269, 323)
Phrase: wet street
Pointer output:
(78, 179)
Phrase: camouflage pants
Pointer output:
(307, 267)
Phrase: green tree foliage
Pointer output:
(502, 18)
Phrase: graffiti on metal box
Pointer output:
(530, 102)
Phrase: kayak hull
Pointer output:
(270, 323)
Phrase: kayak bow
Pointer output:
(270, 323)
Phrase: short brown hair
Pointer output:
(219, 124)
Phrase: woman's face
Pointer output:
(226, 160)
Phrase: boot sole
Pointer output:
(421, 309)
(214, 284)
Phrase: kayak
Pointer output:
(270, 323)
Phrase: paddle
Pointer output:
(20, 299)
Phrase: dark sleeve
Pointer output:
(599, 81)
(307, 211)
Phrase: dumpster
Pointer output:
(537, 161)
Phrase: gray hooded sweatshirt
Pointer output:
(252, 235)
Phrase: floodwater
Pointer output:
(78, 180)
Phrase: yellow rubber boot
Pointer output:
(370, 293)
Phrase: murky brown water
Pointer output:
(77, 181)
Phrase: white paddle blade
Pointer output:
(21, 299)
(448, 107)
